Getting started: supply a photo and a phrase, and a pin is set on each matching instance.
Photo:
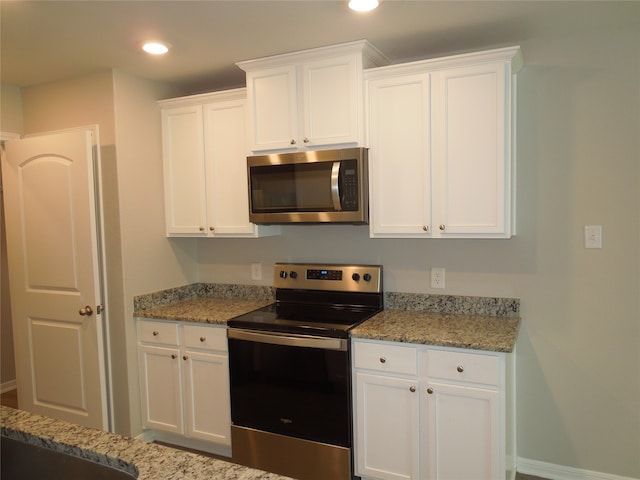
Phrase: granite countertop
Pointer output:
(496, 334)
(477, 323)
(203, 310)
(150, 461)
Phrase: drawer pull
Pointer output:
(185, 358)
(156, 333)
(174, 356)
(203, 339)
(383, 360)
(430, 391)
(412, 389)
(460, 369)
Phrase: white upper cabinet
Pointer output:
(205, 169)
(440, 133)
(400, 156)
(309, 99)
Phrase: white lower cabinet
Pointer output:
(430, 413)
(184, 375)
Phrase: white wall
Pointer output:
(578, 352)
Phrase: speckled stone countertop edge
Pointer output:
(147, 460)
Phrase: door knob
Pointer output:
(86, 311)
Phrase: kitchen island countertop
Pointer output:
(149, 460)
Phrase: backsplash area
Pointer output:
(484, 306)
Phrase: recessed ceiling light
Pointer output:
(363, 5)
(156, 48)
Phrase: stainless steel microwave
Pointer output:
(324, 186)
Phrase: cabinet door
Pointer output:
(400, 156)
(471, 139)
(331, 101)
(386, 427)
(208, 411)
(273, 100)
(226, 161)
(161, 388)
(184, 172)
(462, 433)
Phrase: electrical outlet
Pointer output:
(256, 271)
(593, 236)
(437, 277)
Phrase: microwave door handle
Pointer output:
(335, 186)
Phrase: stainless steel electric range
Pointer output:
(290, 372)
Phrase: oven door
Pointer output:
(292, 385)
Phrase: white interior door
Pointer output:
(54, 277)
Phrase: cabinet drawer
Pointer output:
(206, 337)
(157, 332)
(466, 367)
(386, 358)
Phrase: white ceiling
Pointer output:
(43, 41)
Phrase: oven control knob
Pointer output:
(283, 274)
(293, 274)
(355, 276)
(367, 277)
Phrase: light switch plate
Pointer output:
(593, 236)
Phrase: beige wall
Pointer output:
(10, 109)
(578, 352)
(7, 362)
(10, 126)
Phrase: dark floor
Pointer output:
(10, 399)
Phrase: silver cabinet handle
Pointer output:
(441, 227)
(174, 356)
(412, 389)
(185, 357)
(305, 140)
(211, 229)
(201, 229)
(430, 391)
(383, 360)
(460, 369)
(293, 141)
(203, 339)
(86, 311)
(425, 228)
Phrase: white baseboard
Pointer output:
(6, 386)
(146, 436)
(560, 472)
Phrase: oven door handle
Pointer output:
(291, 340)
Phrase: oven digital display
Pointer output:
(324, 275)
